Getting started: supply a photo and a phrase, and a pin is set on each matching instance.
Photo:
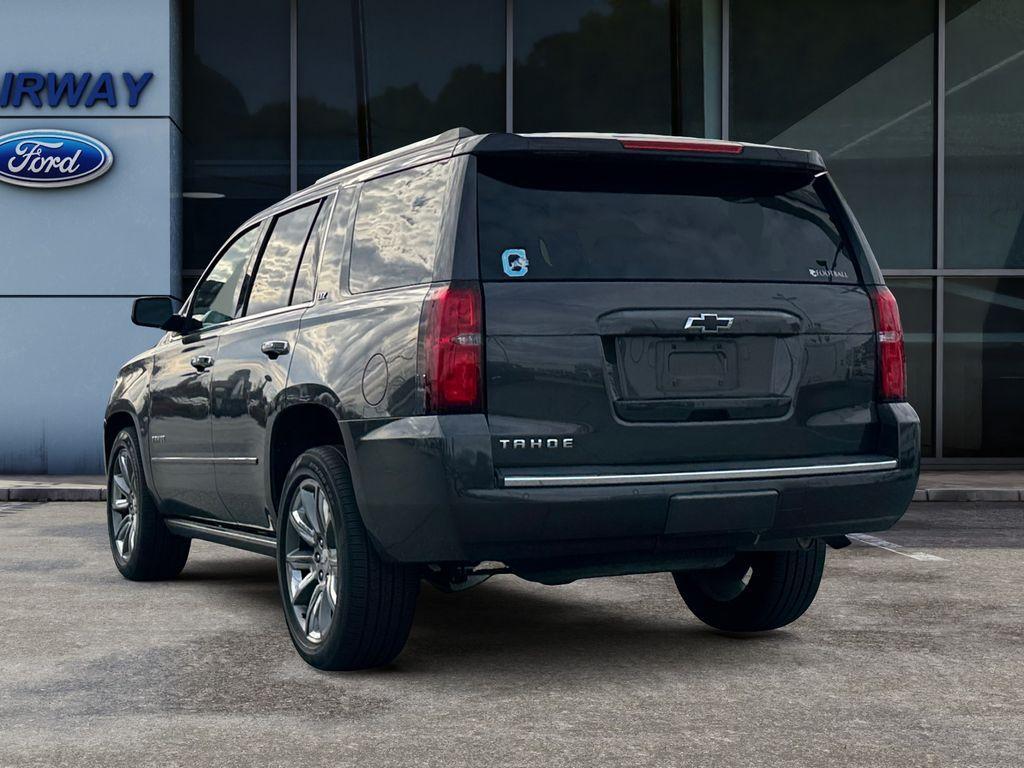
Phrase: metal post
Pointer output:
(510, 58)
(362, 87)
(675, 67)
(940, 216)
(725, 69)
(293, 98)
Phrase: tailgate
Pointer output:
(631, 385)
(655, 313)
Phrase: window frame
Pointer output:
(339, 278)
(446, 199)
(256, 258)
(259, 226)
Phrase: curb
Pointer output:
(54, 493)
(968, 494)
(93, 493)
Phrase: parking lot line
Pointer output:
(874, 541)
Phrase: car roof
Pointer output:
(459, 141)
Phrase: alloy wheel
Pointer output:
(311, 561)
(124, 503)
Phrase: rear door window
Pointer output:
(397, 222)
(278, 268)
(558, 219)
(305, 278)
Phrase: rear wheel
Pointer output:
(346, 608)
(143, 548)
(755, 591)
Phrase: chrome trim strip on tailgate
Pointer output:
(646, 478)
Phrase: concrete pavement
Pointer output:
(900, 662)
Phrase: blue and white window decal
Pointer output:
(51, 158)
(514, 262)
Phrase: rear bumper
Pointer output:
(428, 492)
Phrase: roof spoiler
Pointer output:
(451, 135)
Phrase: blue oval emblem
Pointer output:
(45, 158)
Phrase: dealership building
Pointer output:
(207, 111)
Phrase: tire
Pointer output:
(366, 605)
(143, 548)
(755, 591)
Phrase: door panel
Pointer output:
(181, 440)
(246, 383)
(181, 447)
(254, 356)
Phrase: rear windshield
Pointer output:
(544, 218)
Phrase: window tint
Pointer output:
(302, 293)
(335, 242)
(217, 295)
(396, 229)
(305, 278)
(655, 220)
(276, 272)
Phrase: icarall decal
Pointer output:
(50, 158)
(514, 262)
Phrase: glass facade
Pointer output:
(326, 79)
(913, 103)
(984, 135)
(236, 101)
(863, 98)
(984, 367)
(433, 66)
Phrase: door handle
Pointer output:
(274, 349)
(202, 362)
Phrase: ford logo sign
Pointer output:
(45, 158)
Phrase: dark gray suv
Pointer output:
(558, 356)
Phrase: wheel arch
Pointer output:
(295, 430)
(119, 416)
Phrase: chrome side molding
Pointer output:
(207, 459)
(648, 478)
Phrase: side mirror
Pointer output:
(152, 311)
(159, 312)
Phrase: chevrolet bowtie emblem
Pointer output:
(708, 322)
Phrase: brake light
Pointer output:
(452, 339)
(712, 147)
(892, 368)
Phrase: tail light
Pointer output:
(453, 355)
(892, 368)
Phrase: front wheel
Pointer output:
(755, 591)
(143, 548)
(345, 606)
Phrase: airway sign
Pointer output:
(719, 148)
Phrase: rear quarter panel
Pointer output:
(358, 355)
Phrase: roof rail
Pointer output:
(452, 134)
